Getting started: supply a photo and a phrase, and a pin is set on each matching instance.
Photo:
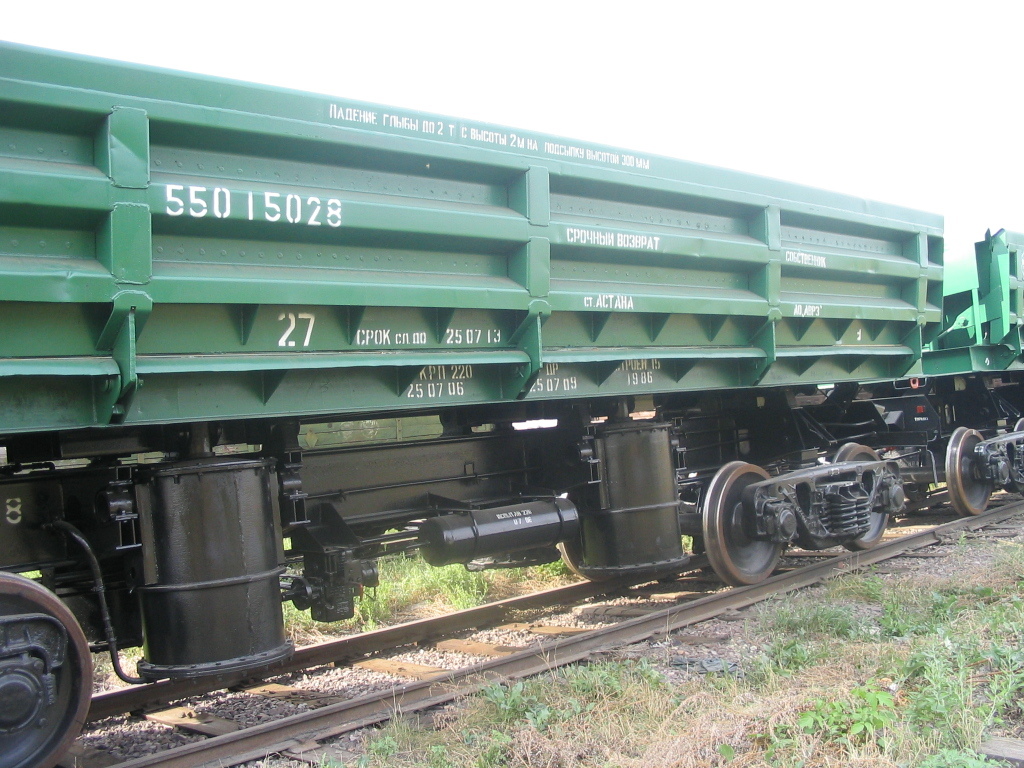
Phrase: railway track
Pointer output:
(304, 735)
(356, 646)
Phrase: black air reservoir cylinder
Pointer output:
(636, 527)
(465, 535)
(211, 601)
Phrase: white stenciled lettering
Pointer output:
(640, 365)
(807, 310)
(14, 514)
(632, 161)
(221, 203)
(806, 259)
(582, 236)
(352, 115)
(446, 372)
(485, 136)
(550, 384)
(523, 142)
(197, 205)
(637, 242)
(431, 390)
(366, 337)
(276, 207)
(175, 204)
(517, 516)
(565, 150)
(599, 156)
(410, 338)
(589, 236)
(462, 336)
(437, 128)
(574, 152)
(402, 122)
(639, 372)
(293, 321)
(608, 301)
(437, 381)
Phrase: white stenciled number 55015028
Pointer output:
(218, 203)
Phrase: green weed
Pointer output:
(778, 742)
(438, 757)
(492, 747)
(512, 703)
(381, 747)
(791, 654)
(850, 721)
(907, 612)
(610, 679)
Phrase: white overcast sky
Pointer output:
(915, 103)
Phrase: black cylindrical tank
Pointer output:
(211, 601)
(466, 535)
(635, 529)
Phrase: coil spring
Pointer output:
(847, 510)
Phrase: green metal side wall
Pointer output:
(983, 311)
(177, 248)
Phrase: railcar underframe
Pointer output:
(190, 522)
(187, 539)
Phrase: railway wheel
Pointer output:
(868, 539)
(1018, 488)
(736, 558)
(45, 675)
(572, 558)
(968, 491)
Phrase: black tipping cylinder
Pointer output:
(635, 529)
(211, 602)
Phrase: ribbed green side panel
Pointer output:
(177, 248)
(983, 311)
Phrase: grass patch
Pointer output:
(810, 618)
(868, 671)
(409, 588)
(867, 587)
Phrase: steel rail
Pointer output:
(303, 731)
(124, 700)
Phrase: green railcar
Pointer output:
(983, 311)
(253, 340)
(176, 248)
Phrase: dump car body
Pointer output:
(983, 311)
(182, 248)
